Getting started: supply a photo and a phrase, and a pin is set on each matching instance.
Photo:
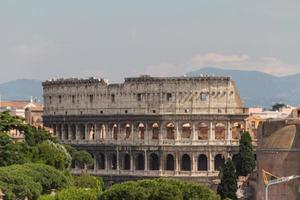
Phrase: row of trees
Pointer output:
(230, 171)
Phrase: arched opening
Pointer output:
(141, 131)
(102, 131)
(202, 163)
(113, 162)
(203, 131)
(220, 131)
(170, 162)
(236, 130)
(66, 132)
(170, 131)
(235, 159)
(126, 162)
(219, 160)
(127, 131)
(73, 132)
(185, 163)
(54, 129)
(91, 132)
(155, 131)
(153, 162)
(140, 162)
(115, 131)
(186, 131)
(101, 161)
(81, 132)
(59, 131)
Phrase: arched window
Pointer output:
(73, 132)
(203, 131)
(186, 131)
(115, 131)
(220, 131)
(140, 162)
(202, 163)
(219, 160)
(102, 131)
(170, 131)
(154, 162)
(101, 161)
(81, 132)
(113, 162)
(170, 162)
(126, 162)
(155, 131)
(185, 163)
(127, 131)
(66, 132)
(141, 131)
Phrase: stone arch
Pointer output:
(101, 161)
(186, 163)
(219, 161)
(102, 131)
(155, 131)
(81, 130)
(153, 161)
(140, 162)
(170, 163)
(127, 129)
(203, 131)
(202, 162)
(73, 132)
(114, 131)
(170, 131)
(186, 131)
(126, 162)
(113, 161)
(141, 131)
(220, 131)
(66, 132)
(235, 159)
(236, 130)
(91, 132)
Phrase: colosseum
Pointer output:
(182, 127)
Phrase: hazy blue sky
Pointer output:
(65, 38)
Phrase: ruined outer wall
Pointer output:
(278, 153)
(142, 95)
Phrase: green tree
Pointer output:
(73, 193)
(228, 186)
(88, 181)
(245, 161)
(82, 157)
(54, 154)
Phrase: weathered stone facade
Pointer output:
(148, 127)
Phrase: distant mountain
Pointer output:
(258, 88)
(21, 89)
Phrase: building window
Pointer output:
(91, 98)
(153, 111)
(169, 96)
(113, 99)
(126, 111)
(203, 96)
(139, 97)
(50, 99)
(59, 98)
(73, 98)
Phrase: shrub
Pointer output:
(74, 193)
(88, 181)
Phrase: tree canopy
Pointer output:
(228, 186)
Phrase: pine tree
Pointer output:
(228, 186)
(245, 161)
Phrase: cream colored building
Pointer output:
(181, 127)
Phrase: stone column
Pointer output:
(161, 162)
(96, 134)
(211, 132)
(210, 162)
(120, 134)
(229, 134)
(177, 163)
(76, 132)
(194, 132)
(160, 134)
(194, 160)
(69, 131)
(132, 133)
(132, 168)
(146, 161)
(106, 161)
(62, 132)
(118, 161)
(177, 132)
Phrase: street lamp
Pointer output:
(278, 181)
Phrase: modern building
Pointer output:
(181, 127)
